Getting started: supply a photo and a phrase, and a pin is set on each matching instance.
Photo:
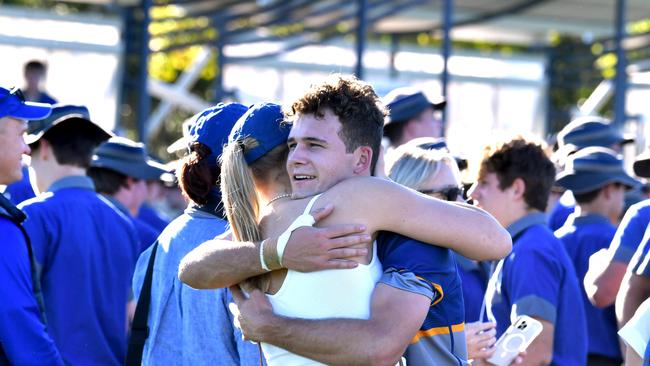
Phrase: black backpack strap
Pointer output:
(140, 329)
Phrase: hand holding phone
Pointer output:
(515, 340)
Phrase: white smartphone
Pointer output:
(515, 340)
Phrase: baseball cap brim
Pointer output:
(178, 145)
(588, 182)
(31, 111)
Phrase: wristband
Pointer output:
(300, 221)
(262, 261)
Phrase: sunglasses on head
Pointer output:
(449, 193)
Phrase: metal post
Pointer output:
(447, 23)
(361, 35)
(144, 103)
(394, 45)
(620, 80)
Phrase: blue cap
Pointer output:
(13, 104)
(590, 131)
(212, 127)
(405, 103)
(60, 113)
(264, 123)
(592, 168)
(127, 157)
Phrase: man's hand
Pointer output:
(252, 314)
(480, 339)
(311, 249)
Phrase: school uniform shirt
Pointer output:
(20, 191)
(23, 335)
(86, 251)
(538, 279)
(146, 233)
(630, 232)
(583, 236)
(473, 277)
(149, 215)
(429, 270)
(559, 215)
(189, 326)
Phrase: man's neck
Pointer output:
(596, 207)
(60, 172)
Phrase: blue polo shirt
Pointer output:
(20, 191)
(146, 233)
(23, 335)
(431, 271)
(474, 279)
(583, 236)
(149, 215)
(189, 326)
(86, 251)
(631, 231)
(538, 279)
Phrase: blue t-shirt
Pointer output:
(559, 215)
(22, 190)
(631, 231)
(414, 266)
(23, 335)
(149, 215)
(473, 277)
(188, 326)
(583, 236)
(86, 251)
(146, 233)
(538, 279)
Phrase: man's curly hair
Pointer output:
(356, 105)
(519, 158)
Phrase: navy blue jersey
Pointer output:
(86, 251)
(538, 279)
(583, 236)
(441, 339)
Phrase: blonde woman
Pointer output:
(434, 172)
(324, 169)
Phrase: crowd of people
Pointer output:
(309, 238)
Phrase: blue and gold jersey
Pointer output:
(429, 270)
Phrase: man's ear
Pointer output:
(362, 160)
(43, 150)
(518, 188)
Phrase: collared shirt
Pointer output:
(146, 233)
(188, 326)
(429, 270)
(583, 236)
(537, 279)
(86, 251)
(23, 335)
(630, 232)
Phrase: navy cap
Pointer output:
(60, 113)
(405, 103)
(13, 104)
(642, 164)
(264, 123)
(127, 157)
(592, 168)
(212, 127)
(590, 131)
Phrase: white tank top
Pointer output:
(335, 293)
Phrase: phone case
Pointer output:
(515, 340)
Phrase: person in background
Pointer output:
(411, 115)
(155, 193)
(35, 72)
(537, 279)
(607, 267)
(24, 339)
(598, 181)
(580, 133)
(188, 326)
(435, 173)
(84, 247)
(119, 169)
